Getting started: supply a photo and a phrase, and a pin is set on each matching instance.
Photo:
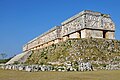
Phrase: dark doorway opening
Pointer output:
(80, 34)
(104, 34)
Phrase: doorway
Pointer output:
(104, 34)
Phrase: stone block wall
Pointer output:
(86, 33)
(87, 20)
(46, 39)
(110, 35)
(85, 24)
(73, 26)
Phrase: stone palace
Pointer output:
(86, 24)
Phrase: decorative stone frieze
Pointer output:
(85, 24)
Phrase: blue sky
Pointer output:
(23, 20)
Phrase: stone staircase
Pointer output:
(20, 58)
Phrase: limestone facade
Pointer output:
(86, 24)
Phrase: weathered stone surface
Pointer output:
(87, 37)
(86, 24)
(99, 52)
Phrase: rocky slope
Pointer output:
(100, 52)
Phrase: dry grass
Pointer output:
(94, 75)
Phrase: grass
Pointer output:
(94, 75)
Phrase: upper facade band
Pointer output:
(88, 19)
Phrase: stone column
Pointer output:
(75, 35)
(50, 43)
(41, 46)
(65, 38)
(83, 33)
(32, 49)
(38, 47)
(35, 48)
(110, 35)
(57, 41)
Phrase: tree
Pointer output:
(3, 55)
